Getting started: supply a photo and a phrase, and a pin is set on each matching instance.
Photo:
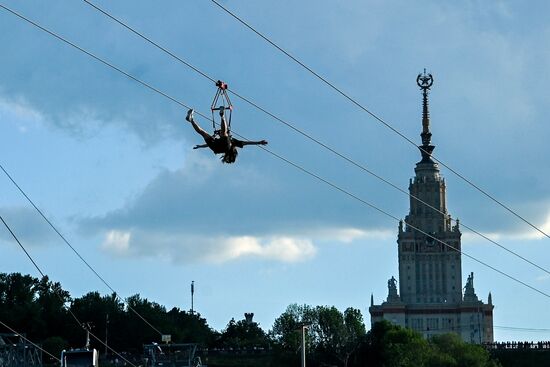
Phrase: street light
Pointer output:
(303, 328)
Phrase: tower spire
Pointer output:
(425, 81)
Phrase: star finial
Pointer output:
(424, 81)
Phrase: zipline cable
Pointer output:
(521, 328)
(32, 203)
(304, 170)
(378, 118)
(64, 239)
(308, 136)
(348, 193)
(81, 324)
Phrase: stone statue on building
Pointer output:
(392, 290)
(469, 291)
(470, 282)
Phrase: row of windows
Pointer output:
(432, 187)
(432, 323)
(429, 257)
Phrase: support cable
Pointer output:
(378, 118)
(299, 167)
(64, 239)
(521, 328)
(32, 203)
(81, 324)
(353, 196)
(308, 136)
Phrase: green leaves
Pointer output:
(331, 334)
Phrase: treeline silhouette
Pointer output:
(38, 308)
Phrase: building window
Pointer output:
(417, 324)
(432, 323)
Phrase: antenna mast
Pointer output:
(192, 296)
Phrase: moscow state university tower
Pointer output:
(430, 297)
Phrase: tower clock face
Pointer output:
(430, 242)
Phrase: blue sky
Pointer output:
(111, 163)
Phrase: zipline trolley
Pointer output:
(221, 102)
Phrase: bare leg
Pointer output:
(223, 130)
(197, 128)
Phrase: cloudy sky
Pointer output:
(111, 163)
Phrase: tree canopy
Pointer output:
(40, 309)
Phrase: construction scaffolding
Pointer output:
(15, 351)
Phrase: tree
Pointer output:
(332, 335)
(54, 345)
(93, 308)
(139, 332)
(243, 334)
(51, 300)
(355, 333)
(38, 308)
(187, 327)
(390, 345)
(450, 348)
(17, 303)
(286, 327)
(339, 334)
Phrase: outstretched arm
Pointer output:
(240, 143)
(261, 142)
(200, 146)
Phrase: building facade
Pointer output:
(430, 298)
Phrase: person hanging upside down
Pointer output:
(221, 142)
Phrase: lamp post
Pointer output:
(303, 329)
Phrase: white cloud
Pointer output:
(536, 235)
(117, 242)
(543, 278)
(282, 249)
(19, 112)
(528, 234)
(186, 248)
(348, 235)
(289, 249)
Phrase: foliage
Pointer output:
(243, 334)
(286, 327)
(43, 311)
(331, 334)
(459, 353)
(54, 345)
(390, 345)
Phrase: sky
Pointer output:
(111, 163)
